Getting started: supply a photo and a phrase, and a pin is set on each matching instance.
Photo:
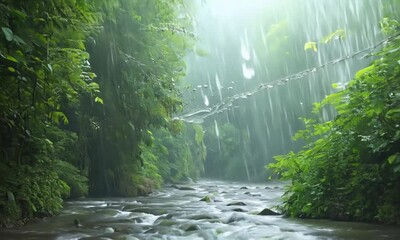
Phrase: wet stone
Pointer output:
(108, 230)
(237, 204)
(268, 212)
(185, 188)
(206, 199)
(192, 228)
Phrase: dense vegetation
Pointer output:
(350, 166)
(87, 91)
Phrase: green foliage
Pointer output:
(138, 60)
(338, 34)
(350, 167)
(44, 70)
(310, 45)
(71, 176)
(57, 127)
(174, 158)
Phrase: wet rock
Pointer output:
(206, 199)
(247, 193)
(237, 204)
(244, 188)
(77, 223)
(268, 212)
(223, 192)
(192, 228)
(267, 187)
(185, 188)
(256, 195)
(109, 230)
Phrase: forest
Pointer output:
(87, 93)
(96, 99)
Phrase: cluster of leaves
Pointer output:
(43, 65)
(175, 158)
(336, 35)
(57, 127)
(350, 167)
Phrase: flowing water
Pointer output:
(176, 212)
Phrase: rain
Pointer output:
(200, 119)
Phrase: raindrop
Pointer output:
(248, 72)
(206, 101)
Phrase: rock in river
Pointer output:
(268, 212)
(236, 204)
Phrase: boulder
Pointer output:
(268, 212)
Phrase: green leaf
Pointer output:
(56, 116)
(99, 100)
(92, 75)
(11, 58)
(338, 34)
(364, 71)
(310, 45)
(8, 33)
(392, 158)
(11, 69)
(18, 40)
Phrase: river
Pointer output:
(176, 212)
